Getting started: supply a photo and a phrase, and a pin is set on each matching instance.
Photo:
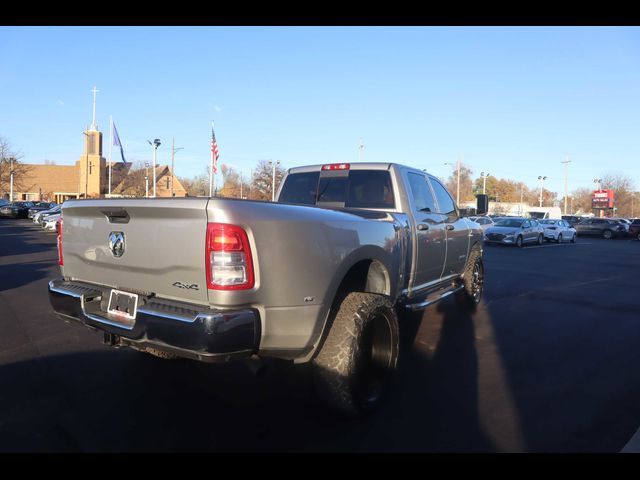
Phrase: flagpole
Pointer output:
(110, 146)
(211, 177)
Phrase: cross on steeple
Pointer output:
(93, 123)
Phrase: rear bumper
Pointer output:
(186, 330)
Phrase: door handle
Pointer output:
(449, 227)
(422, 226)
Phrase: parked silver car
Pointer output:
(515, 231)
(558, 230)
(484, 222)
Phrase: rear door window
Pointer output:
(445, 202)
(421, 193)
(300, 188)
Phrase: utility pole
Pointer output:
(566, 181)
(457, 165)
(173, 154)
(458, 193)
(11, 159)
(273, 183)
(521, 197)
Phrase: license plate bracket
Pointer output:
(123, 306)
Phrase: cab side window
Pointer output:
(446, 205)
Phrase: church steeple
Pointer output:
(94, 127)
(92, 166)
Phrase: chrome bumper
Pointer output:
(186, 330)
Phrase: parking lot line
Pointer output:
(558, 245)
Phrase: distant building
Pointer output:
(89, 178)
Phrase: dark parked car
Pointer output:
(573, 220)
(603, 227)
(634, 228)
(40, 206)
(16, 209)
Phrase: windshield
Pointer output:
(548, 222)
(508, 222)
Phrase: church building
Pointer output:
(89, 177)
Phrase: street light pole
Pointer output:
(542, 179)
(146, 179)
(155, 145)
(484, 182)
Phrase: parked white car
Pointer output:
(484, 222)
(40, 216)
(558, 230)
(49, 223)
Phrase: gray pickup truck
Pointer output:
(319, 276)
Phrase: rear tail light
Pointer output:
(60, 259)
(228, 258)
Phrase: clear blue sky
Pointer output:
(511, 101)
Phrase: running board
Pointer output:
(414, 307)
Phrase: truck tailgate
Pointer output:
(164, 245)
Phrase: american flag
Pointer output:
(214, 152)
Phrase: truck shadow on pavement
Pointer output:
(122, 400)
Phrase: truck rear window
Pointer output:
(349, 189)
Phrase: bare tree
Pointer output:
(10, 158)
(466, 183)
(262, 181)
(623, 186)
(134, 182)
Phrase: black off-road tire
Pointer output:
(359, 356)
(470, 295)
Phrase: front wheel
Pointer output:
(472, 283)
(359, 356)
(573, 239)
(540, 239)
(608, 234)
(519, 241)
(560, 238)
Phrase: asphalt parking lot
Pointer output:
(548, 363)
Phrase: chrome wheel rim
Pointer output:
(477, 282)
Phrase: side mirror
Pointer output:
(482, 204)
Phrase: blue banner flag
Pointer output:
(117, 143)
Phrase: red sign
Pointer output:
(602, 199)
